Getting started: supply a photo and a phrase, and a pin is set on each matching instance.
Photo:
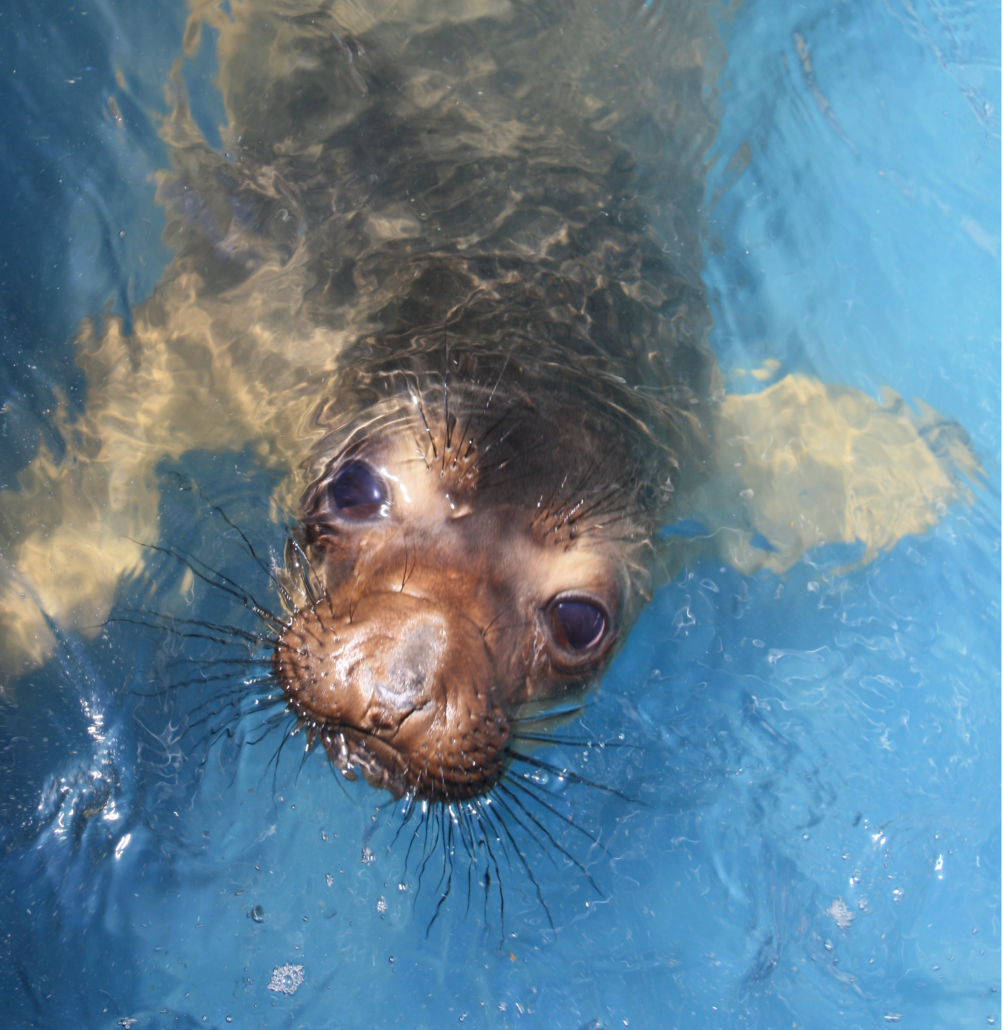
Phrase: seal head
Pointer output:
(462, 581)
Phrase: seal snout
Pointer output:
(402, 689)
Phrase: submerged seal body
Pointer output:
(444, 274)
(503, 443)
(527, 383)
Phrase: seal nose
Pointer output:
(417, 657)
(412, 683)
(370, 669)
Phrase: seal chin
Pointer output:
(400, 689)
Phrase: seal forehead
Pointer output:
(514, 533)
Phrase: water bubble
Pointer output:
(381, 905)
(258, 914)
(897, 895)
(286, 979)
(540, 777)
(329, 880)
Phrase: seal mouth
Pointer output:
(347, 749)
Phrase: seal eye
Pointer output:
(578, 625)
(357, 493)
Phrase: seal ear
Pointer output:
(804, 464)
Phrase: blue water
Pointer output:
(814, 839)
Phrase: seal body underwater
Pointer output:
(445, 276)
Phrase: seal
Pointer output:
(466, 575)
(444, 274)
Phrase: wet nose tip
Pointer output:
(419, 651)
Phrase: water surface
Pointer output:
(818, 755)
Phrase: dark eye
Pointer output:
(578, 625)
(357, 493)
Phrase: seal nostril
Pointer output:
(357, 493)
(578, 625)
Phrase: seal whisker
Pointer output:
(517, 475)
(428, 430)
(434, 818)
(487, 443)
(409, 806)
(488, 816)
(571, 822)
(445, 395)
(227, 585)
(251, 638)
(546, 738)
(500, 797)
(309, 582)
(466, 436)
(269, 724)
(303, 559)
(237, 697)
(183, 634)
(249, 660)
(273, 762)
(447, 855)
(491, 396)
(497, 627)
(469, 845)
(248, 546)
(522, 859)
(572, 777)
(195, 681)
(486, 841)
(568, 712)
